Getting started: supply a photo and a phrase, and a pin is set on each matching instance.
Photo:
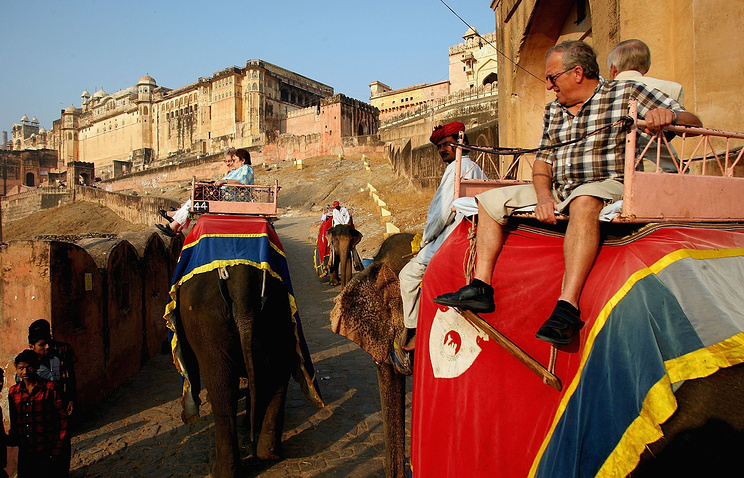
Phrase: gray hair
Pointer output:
(630, 55)
(577, 53)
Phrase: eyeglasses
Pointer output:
(552, 78)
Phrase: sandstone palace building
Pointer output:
(255, 106)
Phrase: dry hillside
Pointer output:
(303, 192)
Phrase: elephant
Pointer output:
(706, 433)
(236, 330)
(708, 423)
(343, 239)
(369, 312)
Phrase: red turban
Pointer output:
(336, 203)
(450, 129)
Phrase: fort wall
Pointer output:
(98, 295)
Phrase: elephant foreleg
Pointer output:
(344, 269)
(269, 446)
(224, 400)
(214, 346)
(392, 398)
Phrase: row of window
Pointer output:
(181, 112)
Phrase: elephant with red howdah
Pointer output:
(234, 315)
(343, 239)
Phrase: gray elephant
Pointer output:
(234, 317)
(343, 240)
(369, 312)
(705, 435)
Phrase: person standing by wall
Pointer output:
(38, 421)
(3, 436)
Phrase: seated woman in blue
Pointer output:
(238, 162)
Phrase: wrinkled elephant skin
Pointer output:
(241, 340)
(705, 435)
(369, 312)
(342, 239)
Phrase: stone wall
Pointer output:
(291, 147)
(99, 295)
(135, 209)
(690, 42)
(32, 201)
(422, 164)
(407, 136)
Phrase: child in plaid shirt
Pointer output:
(3, 436)
(38, 421)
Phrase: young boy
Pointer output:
(64, 360)
(38, 421)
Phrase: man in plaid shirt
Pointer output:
(580, 178)
(38, 421)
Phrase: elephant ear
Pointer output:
(369, 311)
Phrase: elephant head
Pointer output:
(369, 312)
(342, 238)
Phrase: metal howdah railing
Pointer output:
(689, 178)
(255, 200)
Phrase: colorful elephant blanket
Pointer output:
(661, 306)
(221, 241)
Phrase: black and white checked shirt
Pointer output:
(601, 156)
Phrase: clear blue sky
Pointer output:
(53, 50)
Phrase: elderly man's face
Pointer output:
(446, 151)
(559, 79)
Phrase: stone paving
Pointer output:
(137, 431)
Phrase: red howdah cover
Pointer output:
(659, 307)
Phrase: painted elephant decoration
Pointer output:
(369, 312)
(343, 240)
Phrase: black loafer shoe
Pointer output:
(166, 230)
(470, 297)
(562, 325)
(164, 213)
(172, 208)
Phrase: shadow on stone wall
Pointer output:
(104, 296)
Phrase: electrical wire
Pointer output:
(542, 80)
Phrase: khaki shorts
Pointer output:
(499, 203)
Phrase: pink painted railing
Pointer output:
(704, 187)
(254, 200)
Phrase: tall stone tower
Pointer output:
(145, 89)
(69, 135)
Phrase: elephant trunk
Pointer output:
(392, 398)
